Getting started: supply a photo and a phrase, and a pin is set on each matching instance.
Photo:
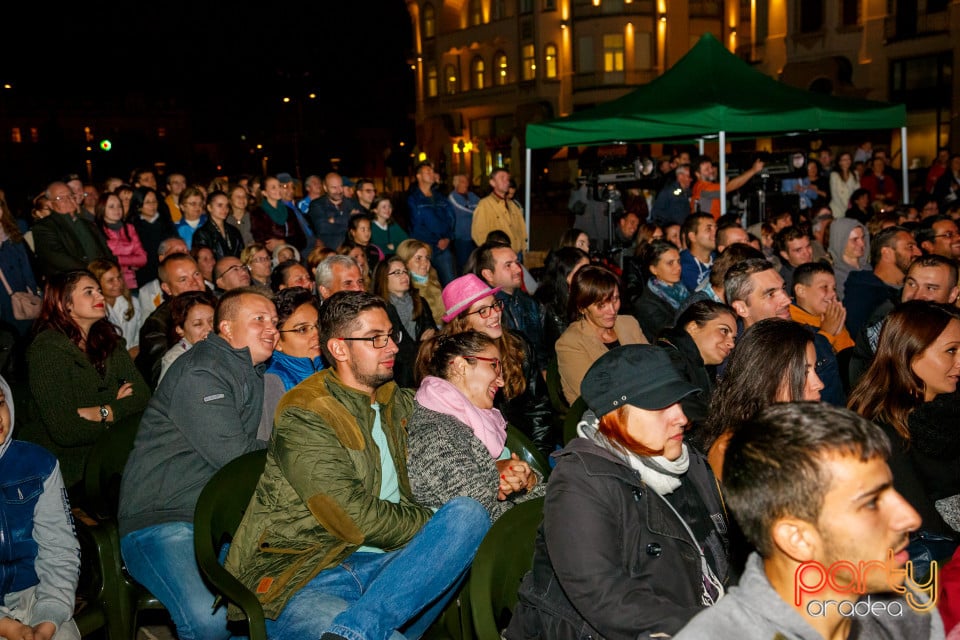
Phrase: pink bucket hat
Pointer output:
(463, 292)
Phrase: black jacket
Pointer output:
(653, 313)
(531, 411)
(685, 356)
(612, 559)
(409, 345)
(208, 235)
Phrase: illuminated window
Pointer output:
(550, 61)
(432, 83)
(613, 52)
(450, 78)
(476, 72)
(476, 13)
(87, 134)
(429, 21)
(34, 134)
(161, 132)
(500, 68)
(15, 136)
(529, 62)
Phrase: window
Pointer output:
(549, 5)
(526, 6)
(429, 21)
(15, 136)
(936, 6)
(811, 16)
(161, 132)
(476, 13)
(450, 78)
(643, 45)
(585, 61)
(500, 68)
(499, 9)
(613, 52)
(476, 72)
(529, 62)
(550, 61)
(433, 86)
(850, 13)
(34, 134)
(87, 134)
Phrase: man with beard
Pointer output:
(891, 252)
(332, 542)
(812, 491)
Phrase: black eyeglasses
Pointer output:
(485, 311)
(302, 330)
(229, 269)
(380, 341)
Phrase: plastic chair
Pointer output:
(120, 597)
(523, 446)
(220, 508)
(573, 419)
(504, 557)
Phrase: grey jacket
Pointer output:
(753, 610)
(446, 460)
(205, 413)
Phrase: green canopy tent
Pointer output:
(711, 92)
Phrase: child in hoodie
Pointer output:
(39, 552)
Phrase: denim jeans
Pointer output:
(443, 261)
(371, 596)
(161, 558)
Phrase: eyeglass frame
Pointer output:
(497, 362)
(231, 268)
(302, 329)
(485, 311)
(396, 335)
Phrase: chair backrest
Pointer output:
(523, 446)
(573, 419)
(104, 468)
(504, 557)
(220, 508)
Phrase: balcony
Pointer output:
(914, 24)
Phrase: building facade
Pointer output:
(484, 69)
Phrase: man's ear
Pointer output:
(740, 307)
(225, 329)
(795, 538)
(338, 349)
(487, 275)
(166, 289)
(927, 246)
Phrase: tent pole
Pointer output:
(526, 193)
(904, 165)
(723, 172)
(700, 144)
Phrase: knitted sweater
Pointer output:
(446, 460)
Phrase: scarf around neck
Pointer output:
(674, 294)
(278, 214)
(488, 425)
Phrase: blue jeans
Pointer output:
(443, 261)
(161, 558)
(371, 596)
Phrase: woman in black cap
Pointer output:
(633, 537)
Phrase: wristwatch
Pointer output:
(104, 413)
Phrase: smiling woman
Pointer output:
(456, 438)
(909, 390)
(82, 379)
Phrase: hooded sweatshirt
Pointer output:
(840, 231)
(39, 552)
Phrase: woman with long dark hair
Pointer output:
(223, 239)
(661, 297)
(121, 237)
(82, 380)
(553, 294)
(917, 364)
(774, 361)
(15, 267)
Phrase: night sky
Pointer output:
(228, 66)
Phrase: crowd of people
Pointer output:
(756, 401)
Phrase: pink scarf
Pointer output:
(488, 425)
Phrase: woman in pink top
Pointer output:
(121, 237)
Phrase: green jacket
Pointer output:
(318, 498)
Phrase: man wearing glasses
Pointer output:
(230, 273)
(332, 540)
(64, 240)
(939, 235)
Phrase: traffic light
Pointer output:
(105, 145)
